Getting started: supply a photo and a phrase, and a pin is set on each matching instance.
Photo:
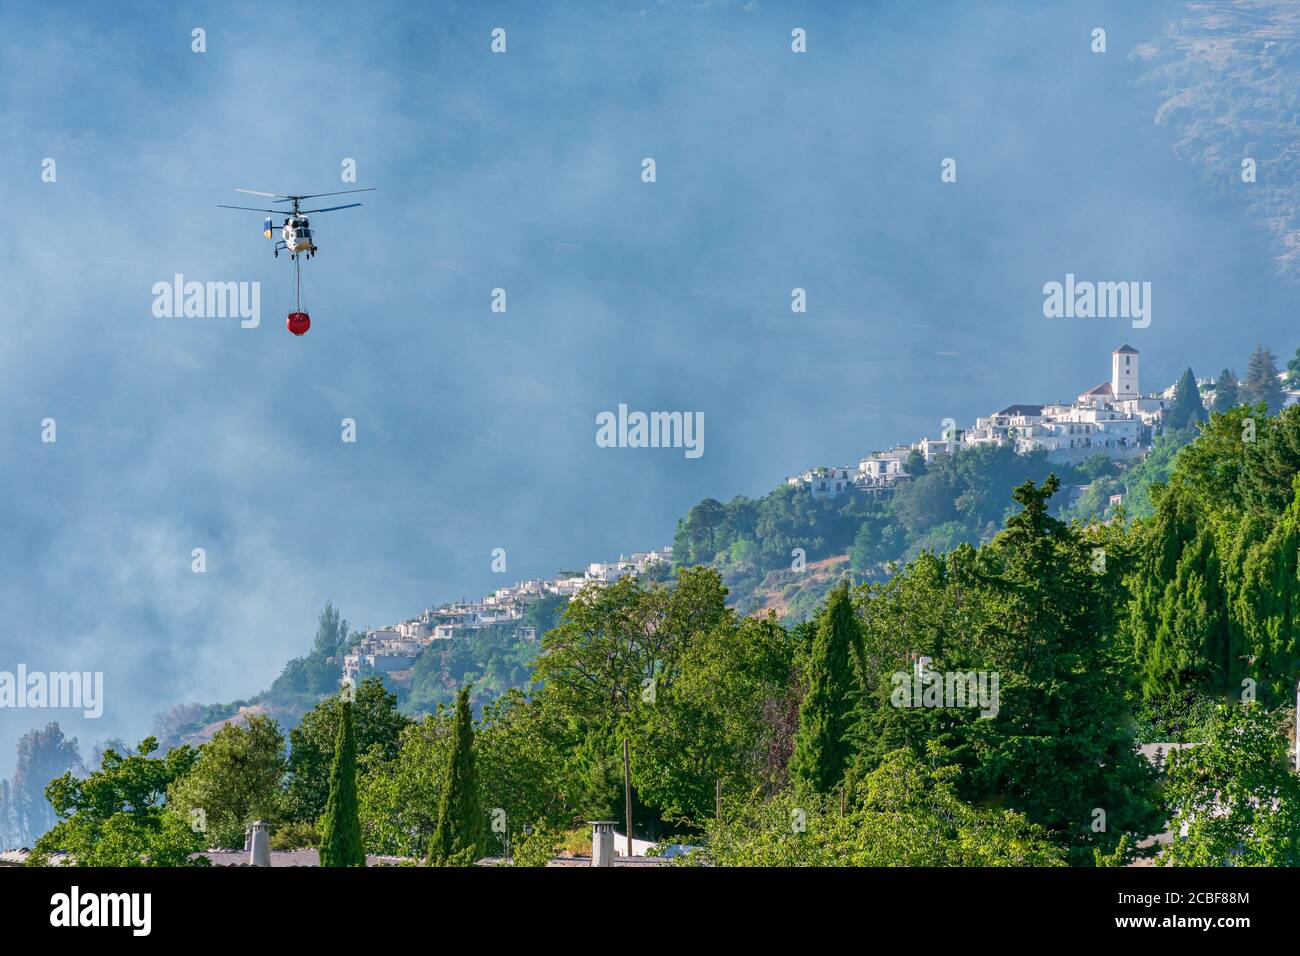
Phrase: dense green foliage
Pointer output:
(116, 816)
(1233, 798)
(976, 699)
(377, 723)
(235, 781)
(904, 814)
(1216, 592)
(1033, 608)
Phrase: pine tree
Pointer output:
(1261, 383)
(340, 830)
(822, 747)
(1225, 392)
(459, 831)
(1187, 407)
(1060, 745)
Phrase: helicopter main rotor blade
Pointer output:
(307, 212)
(254, 192)
(341, 192)
(249, 208)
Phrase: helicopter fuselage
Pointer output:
(296, 236)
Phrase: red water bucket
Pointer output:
(298, 323)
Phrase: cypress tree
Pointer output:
(460, 823)
(1266, 604)
(1261, 383)
(341, 827)
(822, 747)
(1187, 406)
(1225, 392)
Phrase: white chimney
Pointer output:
(259, 843)
(602, 843)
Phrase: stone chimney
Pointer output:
(602, 843)
(259, 844)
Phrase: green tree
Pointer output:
(519, 764)
(537, 846)
(1233, 800)
(906, 813)
(822, 749)
(376, 722)
(117, 817)
(1262, 385)
(1265, 602)
(710, 724)
(1060, 745)
(699, 535)
(1225, 392)
(399, 798)
(1187, 407)
(340, 827)
(459, 830)
(1272, 460)
(235, 781)
(1178, 614)
(1036, 607)
(615, 646)
(304, 680)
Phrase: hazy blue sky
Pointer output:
(476, 430)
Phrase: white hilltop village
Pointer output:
(395, 647)
(1114, 419)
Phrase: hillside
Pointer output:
(960, 498)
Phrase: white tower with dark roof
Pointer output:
(1124, 372)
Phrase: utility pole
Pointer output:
(627, 793)
(717, 798)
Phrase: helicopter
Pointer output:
(295, 234)
(296, 239)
